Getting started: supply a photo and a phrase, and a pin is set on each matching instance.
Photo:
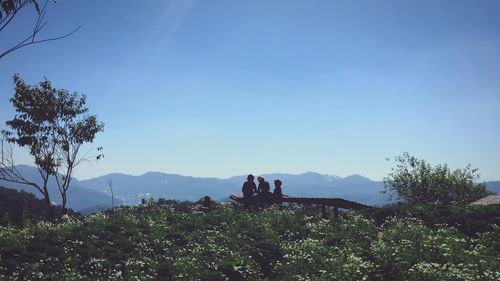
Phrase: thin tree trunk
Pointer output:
(52, 211)
(64, 211)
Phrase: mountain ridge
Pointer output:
(174, 186)
(130, 189)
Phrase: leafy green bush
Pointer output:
(417, 182)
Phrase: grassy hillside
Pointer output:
(156, 242)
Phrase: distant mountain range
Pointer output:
(162, 185)
(128, 189)
(493, 186)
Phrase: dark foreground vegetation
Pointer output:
(19, 207)
(159, 242)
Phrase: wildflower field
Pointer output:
(157, 242)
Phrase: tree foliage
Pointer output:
(10, 10)
(417, 182)
(53, 124)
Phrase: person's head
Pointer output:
(250, 177)
(277, 183)
(260, 179)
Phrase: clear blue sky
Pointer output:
(221, 88)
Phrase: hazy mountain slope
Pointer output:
(160, 185)
(493, 186)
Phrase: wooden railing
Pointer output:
(334, 202)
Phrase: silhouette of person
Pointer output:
(277, 193)
(263, 186)
(264, 194)
(248, 189)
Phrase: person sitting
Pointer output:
(263, 185)
(277, 193)
(248, 189)
(264, 194)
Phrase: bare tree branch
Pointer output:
(9, 171)
(110, 185)
(38, 27)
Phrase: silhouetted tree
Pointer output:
(10, 9)
(417, 182)
(53, 124)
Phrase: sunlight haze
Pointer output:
(225, 88)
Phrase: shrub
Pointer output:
(417, 182)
